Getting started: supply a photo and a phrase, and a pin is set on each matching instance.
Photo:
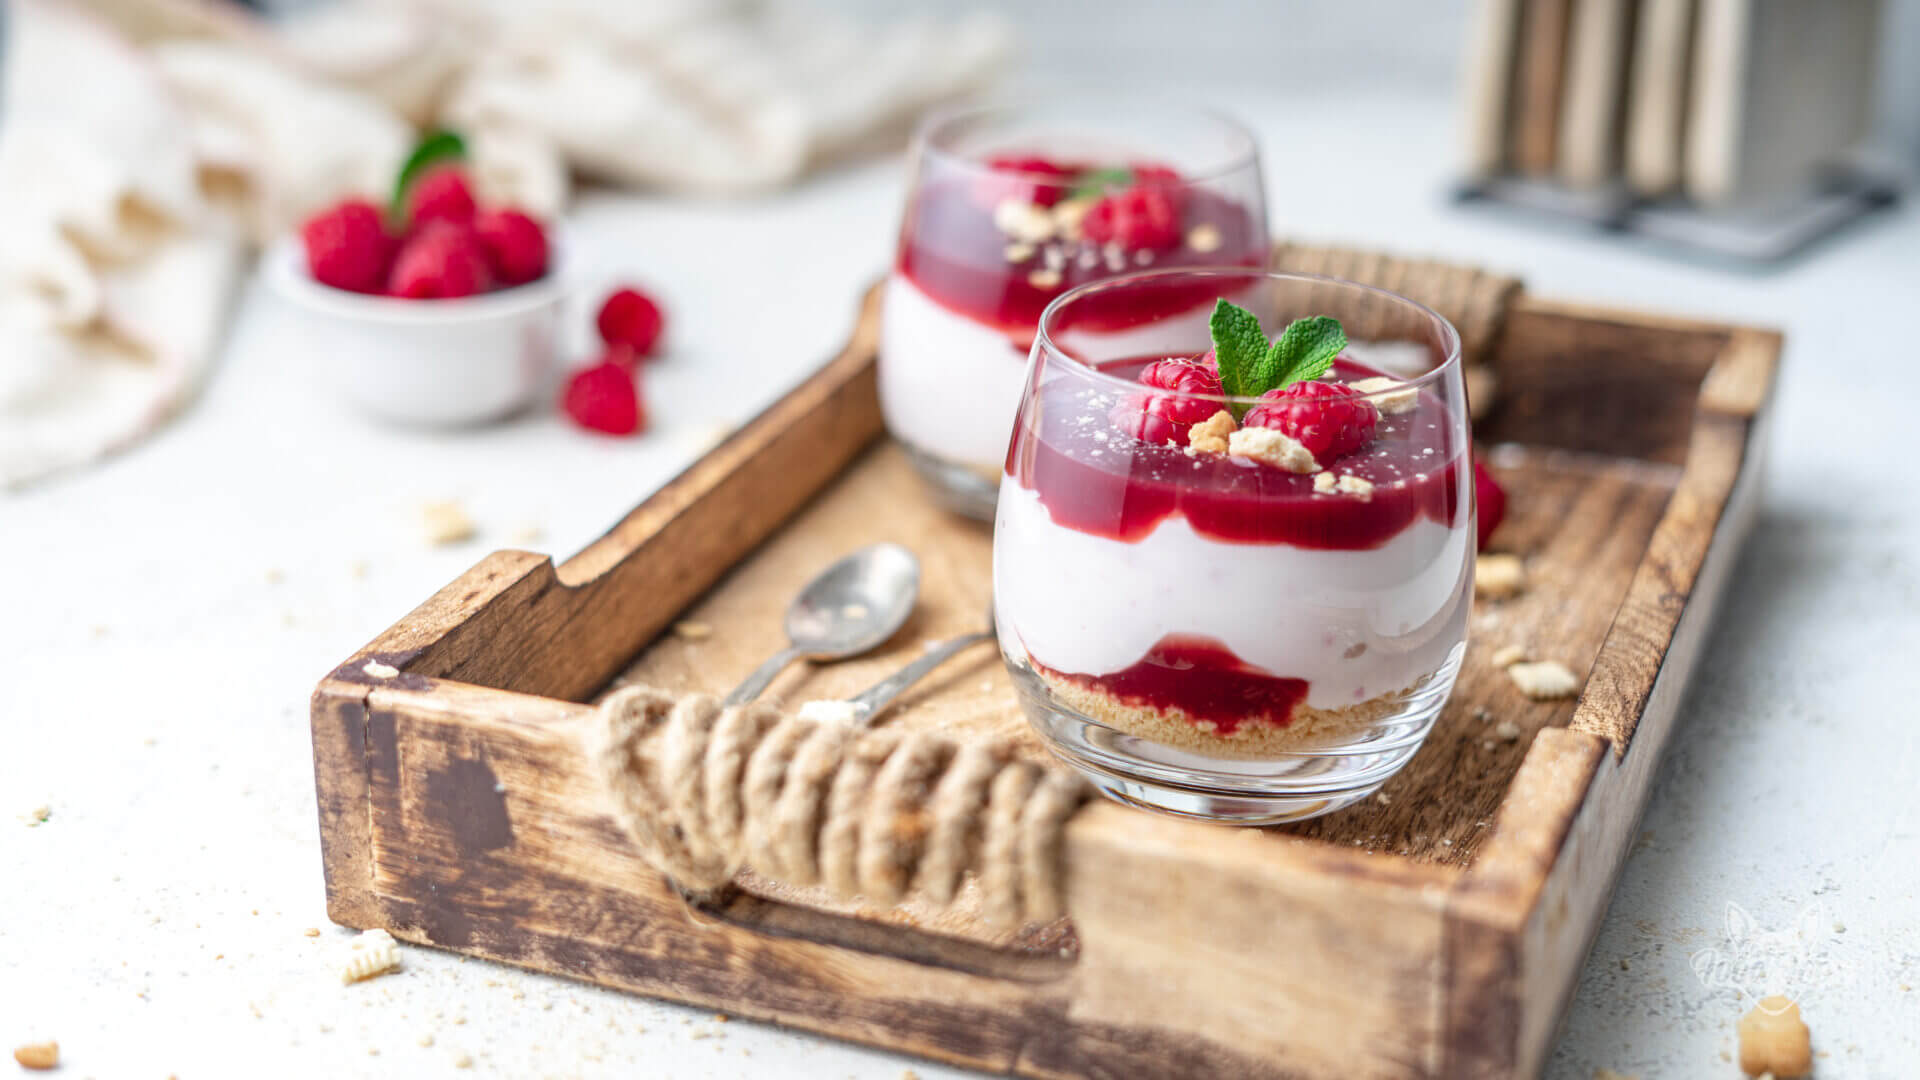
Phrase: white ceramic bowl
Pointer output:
(430, 362)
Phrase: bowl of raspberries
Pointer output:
(434, 308)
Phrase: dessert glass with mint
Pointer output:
(1009, 207)
(1233, 567)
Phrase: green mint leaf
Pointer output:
(1303, 351)
(1095, 182)
(430, 151)
(1240, 347)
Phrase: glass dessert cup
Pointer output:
(1011, 206)
(1223, 629)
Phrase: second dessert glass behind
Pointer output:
(1009, 208)
(1237, 608)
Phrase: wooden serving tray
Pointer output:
(1434, 931)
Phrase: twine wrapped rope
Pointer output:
(704, 791)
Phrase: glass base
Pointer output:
(963, 489)
(1293, 786)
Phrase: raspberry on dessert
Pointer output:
(630, 317)
(1025, 176)
(1329, 419)
(440, 262)
(1144, 217)
(442, 194)
(1491, 501)
(1135, 416)
(516, 245)
(348, 247)
(605, 398)
(1163, 418)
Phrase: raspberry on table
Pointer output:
(630, 317)
(1329, 419)
(516, 245)
(1490, 500)
(1144, 217)
(440, 262)
(442, 194)
(606, 398)
(348, 247)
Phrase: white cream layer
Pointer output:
(1353, 624)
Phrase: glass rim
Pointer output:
(925, 141)
(1044, 344)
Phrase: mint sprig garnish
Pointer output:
(1251, 366)
(430, 151)
(1095, 182)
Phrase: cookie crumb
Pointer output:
(1323, 483)
(1609, 1074)
(38, 816)
(1544, 680)
(1069, 213)
(528, 534)
(1044, 278)
(1391, 396)
(1508, 731)
(1024, 221)
(373, 953)
(1509, 655)
(357, 569)
(1349, 484)
(275, 576)
(463, 1061)
(446, 523)
(426, 1038)
(688, 630)
(1204, 238)
(1018, 252)
(1276, 448)
(44, 1055)
(1211, 435)
(311, 931)
(378, 670)
(1499, 576)
(1773, 1039)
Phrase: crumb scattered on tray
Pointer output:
(446, 522)
(373, 953)
(1508, 731)
(1509, 655)
(1499, 576)
(1609, 1074)
(1773, 1039)
(44, 1055)
(379, 670)
(688, 630)
(829, 712)
(1544, 680)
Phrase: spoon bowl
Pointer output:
(850, 608)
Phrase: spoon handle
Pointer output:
(870, 701)
(752, 685)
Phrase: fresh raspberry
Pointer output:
(348, 246)
(1209, 361)
(630, 317)
(1021, 176)
(442, 194)
(1329, 419)
(516, 245)
(1144, 217)
(1491, 501)
(1166, 418)
(440, 262)
(605, 397)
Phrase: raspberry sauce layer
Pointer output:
(1204, 680)
(1096, 480)
(952, 251)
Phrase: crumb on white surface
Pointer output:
(1276, 448)
(374, 952)
(1508, 655)
(528, 534)
(1389, 400)
(379, 670)
(42, 1055)
(37, 816)
(1499, 576)
(311, 931)
(463, 1061)
(1544, 680)
(446, 522)
(1773, 1039)
(690, 630)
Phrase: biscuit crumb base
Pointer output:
(1276, 448)
(1773, 1039)
(1255, 740)
(1499, 576)
(1544, 680)
(1211, 435)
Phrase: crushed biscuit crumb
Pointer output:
(1773, 1039)
(1390, 396)
(378, 670)
(1349, 484)
(38, 816)
(1499, 576)
(1211, 435)
(1069, 213)
(1018, 252)
(462, 1061)
(1275, 448)
(1323, 483)
(1204, 238)
(373, 953)
(1508, 731)
(44, 1055)
(689, 630)
(1509, 655)
(1043, 279)
(528, 534)
(311, 931)
(1609, 1074)
(446, 522)
(426, 1038)
(1023, 220)
(1544, 680)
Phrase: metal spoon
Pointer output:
(853, 606)
(870, 701)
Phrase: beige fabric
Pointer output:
(704, 792)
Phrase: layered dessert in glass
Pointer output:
(1233, 570)
(1009, 208)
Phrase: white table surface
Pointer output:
(167, 614)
